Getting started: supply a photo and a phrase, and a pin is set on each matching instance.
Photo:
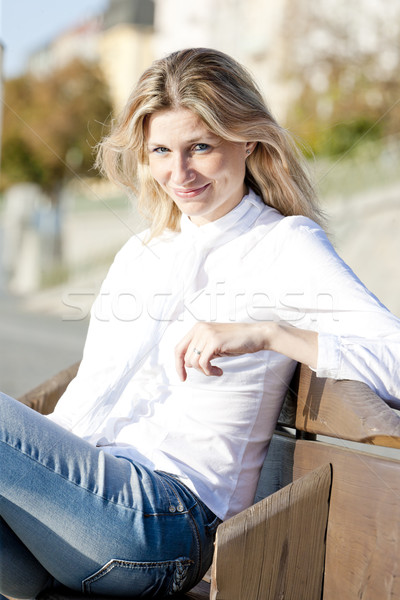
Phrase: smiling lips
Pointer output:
(190, 193)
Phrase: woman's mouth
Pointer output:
(190, 192)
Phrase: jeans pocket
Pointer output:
(139, 579)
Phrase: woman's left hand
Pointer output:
(206, 341)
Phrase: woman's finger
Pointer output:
(180, 354)
(193, 355)
(203, 359)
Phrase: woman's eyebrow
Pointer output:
(209, 135)
(193, 140)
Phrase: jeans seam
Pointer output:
(167, 489)
(82, 487)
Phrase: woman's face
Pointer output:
(201, 172)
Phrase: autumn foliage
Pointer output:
(52, 124)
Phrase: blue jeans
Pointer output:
(74, 515)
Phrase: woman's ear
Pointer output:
(250, 147)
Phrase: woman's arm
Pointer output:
(318, 306)
(206, 341)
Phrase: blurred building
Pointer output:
(126, 45)
(80, 42)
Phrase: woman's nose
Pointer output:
(181, 170)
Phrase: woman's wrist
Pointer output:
(270, 334)
(299, 344)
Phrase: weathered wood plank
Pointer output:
(345, 409)
(275, 549)
(45, 396)
(363, 537)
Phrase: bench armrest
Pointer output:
(275, 548)
(344, 409)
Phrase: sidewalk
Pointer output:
(35, 346)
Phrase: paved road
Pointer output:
(34, 346)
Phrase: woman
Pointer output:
(193, 340)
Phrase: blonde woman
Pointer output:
(193, 340)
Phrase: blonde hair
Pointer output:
(223, 94)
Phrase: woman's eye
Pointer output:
(160, 150)
(201, 147)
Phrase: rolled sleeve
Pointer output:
(329, 356)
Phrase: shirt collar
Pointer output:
(239, 219)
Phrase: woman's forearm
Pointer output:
(299, 344)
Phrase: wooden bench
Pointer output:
(326, 518)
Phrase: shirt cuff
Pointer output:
(329, 354)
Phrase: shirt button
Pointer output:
(172, 509)
(180, 508)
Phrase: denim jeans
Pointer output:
(72, 514)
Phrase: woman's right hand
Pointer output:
(206, 341)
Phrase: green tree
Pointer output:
(51, 125)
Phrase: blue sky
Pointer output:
(26, 25)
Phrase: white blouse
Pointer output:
(253, 264)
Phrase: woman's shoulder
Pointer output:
(296, 236)
(300, 228)
(293, 224)
(269, 215)
(300, 224)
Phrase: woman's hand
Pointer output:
(206, 341)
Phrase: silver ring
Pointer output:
(198, 352)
